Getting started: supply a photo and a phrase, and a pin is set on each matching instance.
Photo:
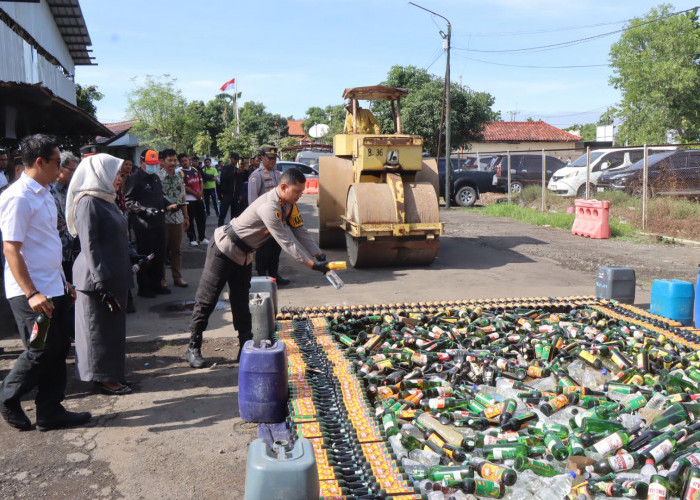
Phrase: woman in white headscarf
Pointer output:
(101, 273)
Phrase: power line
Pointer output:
(575, 66)
(434, 61)
(545, 30)
(569, 43)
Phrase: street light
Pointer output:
(448, 164)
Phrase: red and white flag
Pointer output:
(230, 85)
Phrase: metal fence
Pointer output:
(647, 173)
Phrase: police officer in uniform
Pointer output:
(274, 215)
(264, 179)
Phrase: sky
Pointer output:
(294, 54)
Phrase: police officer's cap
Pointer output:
(269, 151)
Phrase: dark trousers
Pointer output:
(210, 194)
(228, 202)
(267, 258)
(44, 369)
(218, 271)
(198, 217)
(241, 205)
(150, 240)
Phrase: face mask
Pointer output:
(151, 169)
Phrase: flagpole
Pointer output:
(235, 103)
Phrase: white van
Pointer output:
(571, 180)
(311, 157)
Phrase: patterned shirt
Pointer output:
(173, 190)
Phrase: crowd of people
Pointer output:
(74, 232)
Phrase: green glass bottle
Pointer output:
(594, 425)
(616, 463)
(538, 467)
(389, 423)
(555, 446)
(440, 472)
(576, 446)
(504, 451)
(614, 441)
(691, 489)
(494, 472)
(40, 330)
(674, 414)
(660, 450)
(659, 488)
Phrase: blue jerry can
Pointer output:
(262, 382)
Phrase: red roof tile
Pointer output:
(295, 128)
(525, 132)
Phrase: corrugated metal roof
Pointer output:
(525, 132)
(71, 24)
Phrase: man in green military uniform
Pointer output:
(274, 215)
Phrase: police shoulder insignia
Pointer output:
(278, 215)
(253, 178)
(295, 219)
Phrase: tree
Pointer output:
(655, 66)
(164, 117)
(263, 127)
(286, 142)
(86, 97)
(228, 142)
(587, 131)
(422, 107)
(333, 116)
(203, 143)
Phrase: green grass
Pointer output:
(526, 208)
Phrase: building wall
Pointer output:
(20, 62)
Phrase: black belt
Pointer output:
(237, 239)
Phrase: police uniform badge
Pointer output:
(278, 215)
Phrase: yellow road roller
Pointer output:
(376, 194)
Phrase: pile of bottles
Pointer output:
(518, 398)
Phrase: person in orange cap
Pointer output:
(147, 206)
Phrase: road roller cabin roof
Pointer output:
(374, 93)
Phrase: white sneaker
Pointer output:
(204, 241)
(193, 243)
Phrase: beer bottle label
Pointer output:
(661, 450)
(693, 490)
(491, 472)
(621, 462)
(657, 492)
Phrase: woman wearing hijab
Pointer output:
(101, 273)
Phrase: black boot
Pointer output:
(194, 351)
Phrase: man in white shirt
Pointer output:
(34, 285)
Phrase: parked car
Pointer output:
(458, 163)
(673, 173)
(309, 172)
(466, 184)
(571, 180)
(311, 157)
(526, 170)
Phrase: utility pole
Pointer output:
(446, 45)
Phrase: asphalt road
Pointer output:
(180, 435)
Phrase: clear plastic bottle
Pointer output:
(334, 279)
(557, 487)
(648, 470)
(332, 276)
